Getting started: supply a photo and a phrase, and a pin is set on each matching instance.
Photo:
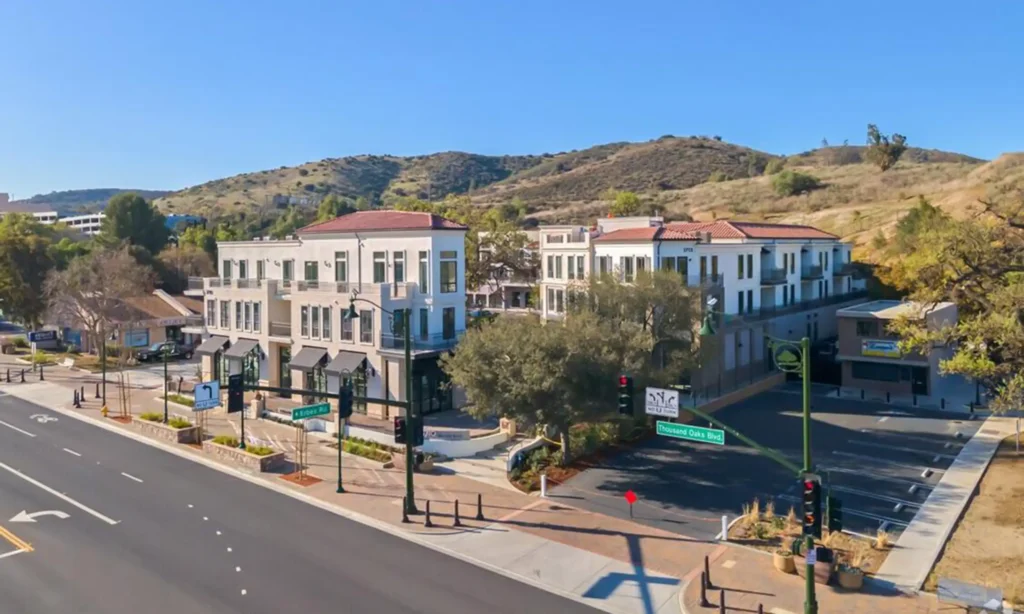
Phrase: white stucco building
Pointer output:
(277, 307)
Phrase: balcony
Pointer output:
(248, 283)
(281, 329)
(420, 343)
(194, 283)
(773, 276)
(811, 272)
(770, 311)
(695, 281)
(845, 268)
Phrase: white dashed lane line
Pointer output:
(14, 428)
(131, 477)
(72, 452)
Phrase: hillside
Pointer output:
(80, 201)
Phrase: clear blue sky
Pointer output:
(164, 95)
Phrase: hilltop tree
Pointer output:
(624, 204)
(332, 207)
(25, 259)
(882, 150)
(130, 219)
(793, 183)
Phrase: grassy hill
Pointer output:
(82, 201)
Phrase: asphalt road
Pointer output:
(187, 538)
(871, 455)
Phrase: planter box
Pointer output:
(249, 462)
(160, 430)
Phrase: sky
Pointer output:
(165, 95)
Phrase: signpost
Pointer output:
(691, 433)
(662, 402)
(311, 411)
(206, 396)
(631, 499)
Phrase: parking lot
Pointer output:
(881, 462)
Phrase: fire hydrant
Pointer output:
(104, 411)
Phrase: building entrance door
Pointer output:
(919, 381)
(284, 363)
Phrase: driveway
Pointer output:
(872, 456)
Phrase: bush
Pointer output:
(181, 400)
(370, 450)
(791, 183)
(20, 342)
(717, 177)
(178, 422)
(226, 440)
(151, 416)
(259, 450)
(303, 172)
(774, 166)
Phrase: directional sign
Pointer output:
(311, 411)
(691, 433)
(24, 516)
(206, 396)
(662, 402)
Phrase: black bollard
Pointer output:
(74, 400)
(41, 378)
(97, 390)
(942, 402)
(760, 609)
(81, 394)
(721, 601)
(704, 591)
(707, 573)
(886, 397)
(479, 506)
(405, 511)
(22, 376)
(861, 394)
(457, 522)
(426, 522)
(8, 375)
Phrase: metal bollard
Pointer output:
(760, 609)
(457, 522)
(861, 394)
(405, 511)
(915, 400)
(22, 376)
(707, 572)
(41, 378)
(97, 390)
(74, 400)
(886, 397)
(704, 591)
(427, 523)
(479, 506)
(543, 485)
(942, 402)
(721, 601)
(8, 375)
(81, 394)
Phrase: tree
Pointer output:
(178, 263)
(503, 255)
(882, 151)
(130, 219)
(332, 207)
(25, 260)
(200, 237)
(792, 183)
(774, 166)
(92, 291)
(291, 220)
(624, 204)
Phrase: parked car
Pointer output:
(175, 351)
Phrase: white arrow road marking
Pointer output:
(14, 428)
(58, 494)
(24, 516)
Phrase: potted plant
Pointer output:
(783, 561)
(851, 578)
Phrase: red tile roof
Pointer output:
(663, 233)
(371, 221)
(723, 229)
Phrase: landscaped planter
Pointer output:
(783, 561)
(249, 462)
(159, 430)
(822, 570)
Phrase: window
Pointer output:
(449, 272)
(380, 267)
(558, 267)
(579, 267)
(366, 326)
(398, 324)
(683, 266)
(703, 268)
(740, 299)
(739, 266)
(225, 317)
(346, 328)
(399, 262)
(225, 270)
(604, 265)
(626, 268)
(785, 295)
(243, 269)
(785, 262)
(304, 321)
(643, 264)
(448, 323)
(238, 315)
(750, 266)
(559, 301)
(211, 313)
(792, 293)
(424, 323)
(866, 328)
(551, 267)
(260, 272)
(424, 271)
(572, 269)
(750, 301)
(287, 270)
(668, 263)
(792, 263)
(826, 261)
(312, 270)
(326, 313)
(257, 323)
(551, 299)
(875, 371)
(820, 289)
(341, 266)
(315, 320)
(248, 316)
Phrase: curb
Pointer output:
(328, 507)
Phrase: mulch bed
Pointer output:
(122, 419)
(301, 480)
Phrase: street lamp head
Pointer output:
(712, 301)
(351, 313)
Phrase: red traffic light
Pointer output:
(808, 485)
(623, 380)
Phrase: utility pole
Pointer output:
(166, 350)
(103, 362)
(810, 602)
(411, 418)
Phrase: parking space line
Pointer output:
(910, 437)
(886, 478)
(852, 512)
(864, 493)
(14, 428)
(885, 446)
(877, 461)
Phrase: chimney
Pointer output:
(707, 237)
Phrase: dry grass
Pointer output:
(882, 540)
(987, 546)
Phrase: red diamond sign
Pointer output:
(630, 497)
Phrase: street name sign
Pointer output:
(691, 433)
(662, 402)
(311, 411)
(206, 396)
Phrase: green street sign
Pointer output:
(311, 411)
(691, 433)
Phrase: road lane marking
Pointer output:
(887, 434)
(885, 446)
(59, 495)
(17, 542)
(852, 512)
(71, 452)
(864, 493)
(131, 477)
(12, 552)
(883, 418)
(244, 591)
(14, 428)
(878, 461)
(874, 476)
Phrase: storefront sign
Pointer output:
(880, 349)
(446, 434)
(172, 322)
(39, 336)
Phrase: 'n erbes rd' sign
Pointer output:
(691, 433)
(311, 411)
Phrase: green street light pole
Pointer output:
(165, 351)
(341, 428)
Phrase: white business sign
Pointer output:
(662, 402)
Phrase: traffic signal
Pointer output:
(626, 395)
(833, 514)
(400, 434)
(812, 508)
(417, 431)
(345, 398)
(236, 398)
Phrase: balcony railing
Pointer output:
(248, 283)
(196, 321)
(420, 343)
(770, 311)
(811, 272)
(705, 280)
(280, 329)
(846, 268)
(773, 276)
(195, 283)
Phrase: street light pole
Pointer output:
(341, 427)
(164, 352)
(103, 362)
(410, 417)
(810, 602)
